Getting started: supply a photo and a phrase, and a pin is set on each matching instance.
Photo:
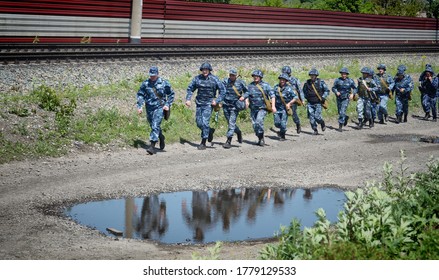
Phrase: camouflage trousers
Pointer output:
(429, 104)
(202, 118)
(231, 114)
(342, 106)
(315, 115)
(281, 119)
(382, 107)
(295, 116)
(258, 116)
(154, 118)
(402, 105)
(364, 108)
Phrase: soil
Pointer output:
(33, 192)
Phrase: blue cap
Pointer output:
(313, 71)
(286, 69)
(153, 71)
(284, 76)
(233, 71)
(258, 73)
(381, 66)
(365, 70)
(344, 70)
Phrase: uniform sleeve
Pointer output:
(334, 87)
(221, 89)
(374, 86)
(191, 88)
(391, 83)
(268, 90)
(325, 89)
(141, 95)
(354, 87)
(170, 94)
(244, 87)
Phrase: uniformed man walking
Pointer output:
(402, 89)
(385, 86)
(297, 88)
(259, 95)
(207, 86)
(285, 98)
(233, 103)
(428, 89)
(344, 88)
(365, 88)
(158, 96)
(315, 91)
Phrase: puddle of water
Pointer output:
(208, 216)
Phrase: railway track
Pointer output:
(32, 53)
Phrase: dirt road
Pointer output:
(29, 189)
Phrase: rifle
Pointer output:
(372, 95)
(386, 86)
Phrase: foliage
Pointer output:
(213, 253)
(395, 219)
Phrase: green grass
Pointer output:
(80, 118)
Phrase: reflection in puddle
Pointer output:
(208, 216)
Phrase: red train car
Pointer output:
(182, 22)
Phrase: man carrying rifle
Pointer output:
(428, 89)
(315, 91)
(402, 89)
(207, 86)
(233, 103)
(366, 87)
(294, 83)
(344, 88)
(385, 86)
(285, 98)
(158, 96)
(262, 101)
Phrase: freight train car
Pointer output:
(182, 22)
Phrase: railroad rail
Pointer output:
(30, 53)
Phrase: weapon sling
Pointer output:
(267, 101)
(324, 104)
(299, 101)
(289, 111)
(386, 86)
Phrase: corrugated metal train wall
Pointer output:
(173, 21)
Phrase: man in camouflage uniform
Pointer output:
(233, 103)
(402, 89)
(285, 98)
(428, 88)
(344, 88)
(158, 96)
(207, 86)
(365, 87)
(297, 88)
(259, 90)
(315, 91)
(385, 86)
(374, 101)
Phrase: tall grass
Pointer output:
(89, 115)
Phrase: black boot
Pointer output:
(151, 149)
(405, 117)
(381, 121)
(298, 128)
(386, 117)
(211, 131)
(161, 141)
(360, 123)
(261, 141)
(427, 116)
(371, 123)
(228, 143)
(315, 132)
(398, 118)
(239, 135)
(202, 145)
(346, 119)
(340, 127)
(323, 126)
(282, 136)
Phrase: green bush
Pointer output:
(395, 219)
